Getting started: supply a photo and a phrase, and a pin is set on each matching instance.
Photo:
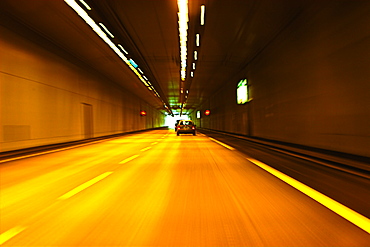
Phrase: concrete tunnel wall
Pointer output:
(45, 99)
(310, 85)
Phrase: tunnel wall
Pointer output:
(46, 99)
(310, 85)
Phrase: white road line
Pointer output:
(129, 159)
(5, 236)
(223, 144)
(84, 186)
(144, 149)
(345, 212)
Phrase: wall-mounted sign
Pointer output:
(242, 92)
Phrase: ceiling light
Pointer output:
(195, 55)
(85, 4)
(193, 65)
(202, 14)
(106, 30)
(197, 39)
(123, 49)
(183, 33)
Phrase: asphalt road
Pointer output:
(158, 189)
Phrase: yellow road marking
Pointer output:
(5, 236)
(84, 186)
(345, 212)
(144, 149)
(154, 143)
(223, 144)
(129, 159)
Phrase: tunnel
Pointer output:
(94, 93)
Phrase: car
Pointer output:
(186, 127)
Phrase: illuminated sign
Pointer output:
(242, 92)
(132, 62)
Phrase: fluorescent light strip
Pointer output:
(193, 65)
(202, 14)
(123, 49)
(183, 33)
(106, 30)
(197, 39)
(82, 13)
(85, 4)
(195, 55)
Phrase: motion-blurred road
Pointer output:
(155, 188)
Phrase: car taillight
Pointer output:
(193, 128)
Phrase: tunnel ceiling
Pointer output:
(235, 32)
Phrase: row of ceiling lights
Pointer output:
(103, 33)
(183, 27)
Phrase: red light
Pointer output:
(142, 113)
(193, 128)
(207, 112)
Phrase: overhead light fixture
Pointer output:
(123, 49)
(193, 65)
(183, 33)
(195, 55)
(106, 30)
(85, 4)
(197, 39)
(202, 14)
(192, 74)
